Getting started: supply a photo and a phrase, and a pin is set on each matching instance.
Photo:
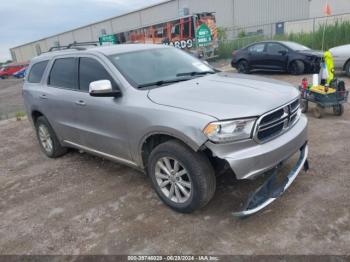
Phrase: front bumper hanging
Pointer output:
(269, 191)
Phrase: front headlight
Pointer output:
(228, 131)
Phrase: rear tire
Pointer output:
(47, 138)
(243, 67)
(296, 67)
(183, 179)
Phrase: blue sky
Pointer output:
(28, 20)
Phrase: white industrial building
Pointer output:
(229, 14)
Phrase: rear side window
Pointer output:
(63, 73)
(36, 72)
(91, 70)
(258, 48)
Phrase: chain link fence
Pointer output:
(336, 30)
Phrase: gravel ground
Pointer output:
(81, 204)
(10, 98)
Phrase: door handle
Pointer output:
(43, 96)
(80, 103)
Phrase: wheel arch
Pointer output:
(155, 138)
(345, 64)
(35, 114)
(242, 59)
(294, 60)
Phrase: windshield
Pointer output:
(155, 67)
(296, 46)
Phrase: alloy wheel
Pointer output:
(173, 179)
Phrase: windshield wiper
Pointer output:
(163, 82)
(195, 73)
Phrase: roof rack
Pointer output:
(74, 45)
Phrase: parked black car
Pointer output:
(277, 55)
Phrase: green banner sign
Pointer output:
(108, 39)
(203, 35)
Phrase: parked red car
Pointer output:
(9, 69)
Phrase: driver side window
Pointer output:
(276, 49)
(91, 70)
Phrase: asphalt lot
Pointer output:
(81, 204)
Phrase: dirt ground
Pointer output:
(80, 204)
(10, 98)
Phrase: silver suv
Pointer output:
(160, 110)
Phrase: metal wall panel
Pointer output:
(43, 46)
(123, 23)
(28, 52)
(229, 13)
(97, 29)
(51, 41)
(66, 38)
(158, 13)
(222, 8)
(83, 34)
(337, 7)
(254, 12)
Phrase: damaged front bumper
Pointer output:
(270, 191)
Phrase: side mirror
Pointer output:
(282, 52)
(103, 88)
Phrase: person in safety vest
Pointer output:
(328, 59)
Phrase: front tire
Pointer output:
(183, 179)
(347, 68)
(47, 138)
(296, 67)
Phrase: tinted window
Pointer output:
(91, 70)
(157, 64)
(275, 49)
(63, 73)
(36, 72)
(258, 48)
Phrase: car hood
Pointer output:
(226, 95)
(311, 52)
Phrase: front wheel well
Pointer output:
(35, 115)
(242, 59)
(152, 142)
(345, 64)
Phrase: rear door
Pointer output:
(256, 55)
(59, 97)
(276, 56)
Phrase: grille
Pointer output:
(278, 121)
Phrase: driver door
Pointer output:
(276, 56)
(102, 119)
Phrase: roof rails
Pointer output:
(74, 45)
